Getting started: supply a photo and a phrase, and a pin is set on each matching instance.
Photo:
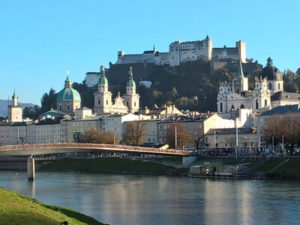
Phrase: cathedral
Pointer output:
(128, 103)
(267, 93)
(68, 99)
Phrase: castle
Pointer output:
(267, 93)
(180, 52)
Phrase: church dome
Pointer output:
(130, 82)
(68, 93)
(271, 72)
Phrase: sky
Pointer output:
(41, 40)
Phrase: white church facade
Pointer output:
(128, 103)
(235, 95)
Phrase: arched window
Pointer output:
(134, 104)
(68, 106)
(256, 104)
(99, 102)
(127, 104)
(232, 107)
(106, 102)
(221, 107)
(278, 86)
(270, 86)
(242, 106)
(59, 107)
(266, 102)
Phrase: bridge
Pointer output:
(48, 149)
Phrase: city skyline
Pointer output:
(42, 41)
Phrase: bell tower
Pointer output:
(102, 99)
(15, 112)
(131, 98)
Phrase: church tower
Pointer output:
(131, 98)
(261, 97)
(15, 112)
(243, 79)
(103, 102)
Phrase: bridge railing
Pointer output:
(95, 146)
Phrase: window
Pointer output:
(60, 107)
(98, 102)
(68, 106)
(279, 86)
(256, 104)
(242, 106)
(134, 104)
(106, 102)
(127, 104)
(221, 107)
(232, 107)
(270, 86)
(266, 102)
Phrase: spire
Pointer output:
(14, 94)
(14, 98)
(103, 79)
(68, 82)
(154, 48)
(269, 61)
(240, 72)
(131, 82)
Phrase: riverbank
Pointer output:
(16, 209)
(112, 165)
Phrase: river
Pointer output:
(151, 200)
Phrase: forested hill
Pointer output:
(192, 85)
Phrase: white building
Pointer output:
(180, 51)
(234, 95)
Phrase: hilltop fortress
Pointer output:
(180, 51)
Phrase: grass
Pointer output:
(16, 209)
(109, 165)
(270, 164)
(290, 170)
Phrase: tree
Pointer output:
(99, 137)
(183, 136)
(48, 101)
(135, 133)
(32, 112)
(278, 127)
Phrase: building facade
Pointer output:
(103, 104)
(180, 51)
(15, 112)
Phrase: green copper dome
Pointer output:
(130, 82)
(68, 94)
(103, 80)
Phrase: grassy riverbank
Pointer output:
(110, 165)
(16, 209)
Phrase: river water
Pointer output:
(151, 200)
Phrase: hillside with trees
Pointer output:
(192, 85)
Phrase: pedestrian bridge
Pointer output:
(46, 149)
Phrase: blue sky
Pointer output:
(41, 40)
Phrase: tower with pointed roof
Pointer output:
(68, 99)
(102, 97)
(131, 98)
(243, 81)
(15, 112)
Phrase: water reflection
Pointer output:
(124, 200)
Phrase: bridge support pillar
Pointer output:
(30, 168)
(188, 160)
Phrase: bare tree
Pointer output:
(100, 137)
(135, 133)
(183, 136)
